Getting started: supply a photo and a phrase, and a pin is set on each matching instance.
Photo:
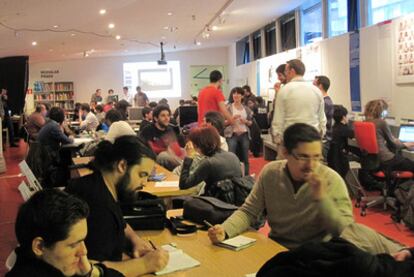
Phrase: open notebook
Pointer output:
(178, 261)
(237, 243)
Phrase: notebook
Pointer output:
(167, 184)
(406, 133)
(178, 260)
(237, 243)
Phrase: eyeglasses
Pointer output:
(305, 158)
(143, 174)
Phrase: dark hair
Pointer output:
(113, 116)
(99, 108)
(153, 104)
(374, 108)
(260, 101)
(39, 108)
(324, 81)
(281, 69)
(297, 133)
(129, 148)
(98, 90)
(239, 90)
(163, 101)
(158, 109)
(195, 98)
(125, 88)
(207, 139)
(182, 102)
(85, 107)
(138, 88)
(215, 76)
(57, 114)
(216, 119)
(49, 214)
(297, 65)
(110, 90)
(145, 111)
(246, 87)
(339, 113)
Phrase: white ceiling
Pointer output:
(140, 23)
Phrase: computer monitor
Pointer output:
(135, 113)
(406, 133)
(188, 114)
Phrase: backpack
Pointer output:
(233, 191)
(405, 196)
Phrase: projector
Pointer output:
(162, 62)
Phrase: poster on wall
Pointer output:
(200, 77)
(311, 57)
(404, 49)
(268, 76)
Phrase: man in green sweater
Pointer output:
(304, 200)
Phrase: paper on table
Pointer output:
(82, 140)
(237, 243)
(178, 261)
(167, 184)
(250, 275)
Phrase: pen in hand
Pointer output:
(209, 225)
(152, 244)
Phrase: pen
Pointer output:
(208, 223)
(152, 244)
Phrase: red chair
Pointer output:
(366, 137)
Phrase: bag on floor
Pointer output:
(146, 213)
(405, 196)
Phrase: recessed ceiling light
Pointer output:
(72, 35)
(118, 37)
(92, 50)
(34, 43)
(55, 26)
(214, 28)
(198, 43)
(102, 11)
(111, 25)
(50, 50)
(163, 37)
(170, 13)
(166, 28)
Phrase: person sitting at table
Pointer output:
(376, 111)
(122, 168)
(162, 139)
(36, 121)
(146, 117)
(304, 200)
(217, 165)
(87, 119)
(51, 228)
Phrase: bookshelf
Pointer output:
(58, 94)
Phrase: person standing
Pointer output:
(140, 98)
(96, 98)
(7, 121)
(238, 133)
(211, 98)
(297, 102)
(323, 83)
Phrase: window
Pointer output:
(337, 17)
(288, 31)
(242, 51)
(270, 39)
(311, 21)
(257, 45)
(381, 10)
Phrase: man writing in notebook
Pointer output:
(304, 200)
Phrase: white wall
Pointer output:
(88, 74)
(376, 66)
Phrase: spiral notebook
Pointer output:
(178, 260)
(237, 243)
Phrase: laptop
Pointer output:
(407, 134)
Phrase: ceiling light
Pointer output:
(118, 37)
(92, 50)
(50, 50)
(111, 25)
(34, 43)
(198, 43)
(72, 35)
(102, 11)
(170, 13)
(166, 28)
(214, 28)
(163, 37)
(55, 26)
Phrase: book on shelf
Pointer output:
(237, 243)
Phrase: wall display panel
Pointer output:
(404, 49)
(311, 57)
(200, 77)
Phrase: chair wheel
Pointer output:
(363, 213)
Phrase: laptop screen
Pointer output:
(406, 133)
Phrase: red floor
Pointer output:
(10, 199)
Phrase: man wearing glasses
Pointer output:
(304, 200)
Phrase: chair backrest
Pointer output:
(366, 136)
(188, 114)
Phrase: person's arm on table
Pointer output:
(241, 219)
(139, 246)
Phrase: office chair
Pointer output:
(366, 137)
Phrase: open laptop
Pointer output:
(407, 134)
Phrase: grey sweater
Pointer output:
(294, 218)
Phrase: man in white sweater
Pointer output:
(297, 102)
(304, 200)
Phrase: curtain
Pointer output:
(14, 76)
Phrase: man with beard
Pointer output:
(162, 139)
(122, 168)
(304, 200)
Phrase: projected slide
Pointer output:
(157, 81)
